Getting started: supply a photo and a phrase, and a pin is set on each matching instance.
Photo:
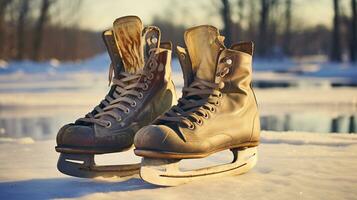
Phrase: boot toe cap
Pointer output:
(157, 138)
(75, 135)
(161, 138)
(150, 137)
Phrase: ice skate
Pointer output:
(141, 89)
(218, 111)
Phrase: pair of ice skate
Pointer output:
(217, 110)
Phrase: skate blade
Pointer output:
(166, 172)
(83, 166)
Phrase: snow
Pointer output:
(24, 140)
(97, 63)
(282, 70)
(292, 165)
(306, 67)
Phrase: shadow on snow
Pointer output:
(65, 188)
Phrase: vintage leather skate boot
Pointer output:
(217, 111)
(141, 90)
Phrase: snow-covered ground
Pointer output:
(290, 166)
(268, 73)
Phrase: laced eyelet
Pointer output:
(151, 65)
(133, 104)
(229, 61)
(216, 103)
(206, 116)
(119, 119)
(146, 86)
(151, 76)
(154, 40)
(109, 124)
(224, 72)
(141, 95)
(127, 111)
(191, 126)
(199, 122)
(212, 109)
(220, 95)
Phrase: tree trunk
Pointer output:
(252, 21)
(287, 34)
(241, 5)
(336, 46)
(273, 24)
(24, 8)
(263, 27)
(38, 33)
(353, 42)
(3, 5)
(239, 28)
(226, 15)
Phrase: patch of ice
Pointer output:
(24, 140)
(304, 138)
(54, 62)
(3, 64)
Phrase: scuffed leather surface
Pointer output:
(236, 120)
(159, 97)
(203, 50)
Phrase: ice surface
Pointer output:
(282, 71)
(292, 165)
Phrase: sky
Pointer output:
(98, 15)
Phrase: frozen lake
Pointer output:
(36, 99)
(43, 123)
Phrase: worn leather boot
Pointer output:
(141, 90)
(217, 111)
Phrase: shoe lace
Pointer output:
(199, 100)
(127, 88)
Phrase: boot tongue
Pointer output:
(203, 48)
(128, 37)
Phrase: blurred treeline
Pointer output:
(277, 30)
(44, 29)
(31, 29)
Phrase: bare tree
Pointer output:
(336, 46)
(353, 38)
(237, 29)
(78, 40)
(38, 33)
(226, 16)
(263, 27)
(252, 20)
(3, 6)
(241, 6)
(287, 32)
(21, 25)
(273, 26)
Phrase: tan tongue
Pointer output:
(203, 50)
(128, 37)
